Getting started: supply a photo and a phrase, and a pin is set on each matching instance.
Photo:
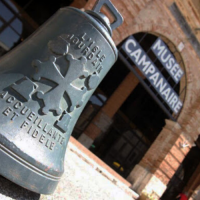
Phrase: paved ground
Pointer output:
(80, 182)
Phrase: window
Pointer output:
(11, 26)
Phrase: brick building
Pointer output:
(127, 123)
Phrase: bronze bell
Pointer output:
(45, 84)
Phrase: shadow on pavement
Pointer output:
(11, 190)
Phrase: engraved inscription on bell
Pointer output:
(63, 122)
(62, 85)
(52, 98)
(25, 87)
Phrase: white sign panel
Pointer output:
(151, 72)
(167, 59)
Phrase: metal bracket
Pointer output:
(115, 13)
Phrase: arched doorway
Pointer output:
(142, 115)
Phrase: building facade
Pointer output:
(166, 155)
(147, 135)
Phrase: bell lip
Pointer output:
(24, 174)
(98, 26)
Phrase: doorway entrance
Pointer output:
(135, 126)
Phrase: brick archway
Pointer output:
(163, 32)
(191, 103)
(172, 134)
(152, 178)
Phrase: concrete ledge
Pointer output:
(89, 157)
(101, 167)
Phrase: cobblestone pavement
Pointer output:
(79, 182)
